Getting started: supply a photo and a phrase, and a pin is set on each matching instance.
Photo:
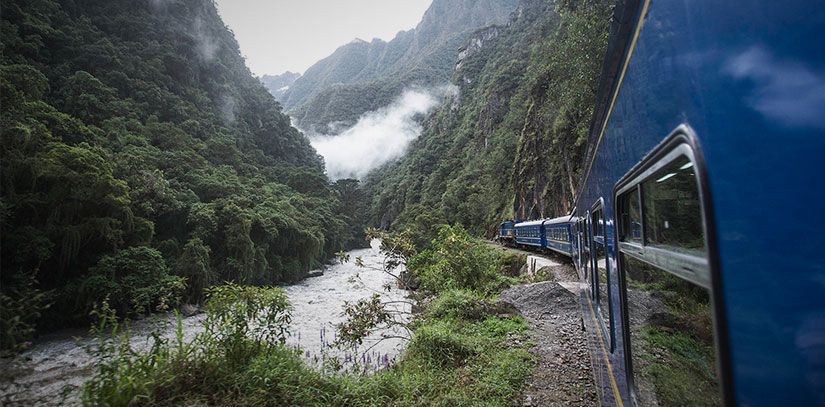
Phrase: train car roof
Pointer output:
(560, 219)
(530, 223)
(537, 222)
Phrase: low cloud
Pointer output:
(207, 46)
(226, 107)
(379, 136)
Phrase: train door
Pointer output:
(601, 275)
(586, 264)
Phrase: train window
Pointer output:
(631, 216)
(597, 223)
(671, 338)
(670, 332)
(671, 207)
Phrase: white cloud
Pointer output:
(379, 136)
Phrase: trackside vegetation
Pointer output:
(464, 349)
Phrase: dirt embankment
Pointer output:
(563, 375)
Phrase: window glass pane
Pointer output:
(673, 214)
(601, 274)
(631, 216)
(597, 223)
(671, 338)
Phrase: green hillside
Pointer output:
(364, 76)
(510, 145)
(141, 160)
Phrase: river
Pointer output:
(53, 370)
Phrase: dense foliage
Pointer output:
(455, 260)
(139, 154)
(462, 352)
(510, 145)
(364, 76)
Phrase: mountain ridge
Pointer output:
(277, 85)
(364, 76)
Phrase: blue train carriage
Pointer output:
(530, 233)
(507, 232)
(709, 122)
(558, 235)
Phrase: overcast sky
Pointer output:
(290, 35)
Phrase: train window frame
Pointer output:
(681, 141)
(685, 265)
(624, 237)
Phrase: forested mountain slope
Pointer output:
(363, 76)
(510, 145)
(140, 158)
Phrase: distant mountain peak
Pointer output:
(277, 85)
(363, 76)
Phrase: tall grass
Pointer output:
(460, 353)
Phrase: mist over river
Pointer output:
(52, 371)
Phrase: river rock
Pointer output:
(189, 309)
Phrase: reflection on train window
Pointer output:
(631, 216)
(600, 269)
(672, 214)
(671, 338)
(667, 279)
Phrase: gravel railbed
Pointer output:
(563, 375)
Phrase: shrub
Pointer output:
(236, 313)
(457, 261)
(243, 324)
(464, 304)
(439, 345)
(21, 305)
(135, 281)
(193, 265)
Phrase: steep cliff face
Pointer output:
(510, 145)
(475, 44)
(362, 76)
